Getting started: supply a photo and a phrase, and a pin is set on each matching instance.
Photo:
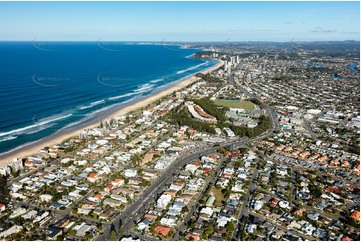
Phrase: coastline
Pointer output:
(55, 139)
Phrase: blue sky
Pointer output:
(180, 21)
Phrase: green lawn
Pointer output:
(246, 105)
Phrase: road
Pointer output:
(210, 181)
(244, 209)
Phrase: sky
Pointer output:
(180, 21)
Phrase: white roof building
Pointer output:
(163, 201)
(222, 221)
(283, 204)
(13, 230)
(207, 210)
(31, 214)
(257, 205)
(45, 197)
(130, 173)
(168, 222)
(191, 168)
(229, 132)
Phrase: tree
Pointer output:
(230, 226)
(4, 191)
(60, 238)
(315, 190)
(112, 236)
(82, 192)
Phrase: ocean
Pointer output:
(52, 87)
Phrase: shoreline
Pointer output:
(58, 138)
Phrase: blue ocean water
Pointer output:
(50, 87)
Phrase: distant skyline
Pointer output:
(180, 21)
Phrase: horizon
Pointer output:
(180, 21)
(186, 41)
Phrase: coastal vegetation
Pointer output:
(181, 117)
(209, 78)
(212, 109)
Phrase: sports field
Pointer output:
(246, 105)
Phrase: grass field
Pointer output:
(246, 105)
(219, 196)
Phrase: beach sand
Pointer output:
(33, 148)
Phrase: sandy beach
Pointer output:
(57, 139)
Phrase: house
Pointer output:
(162, 230)
(92, 177)
(2, 207)
(284, 204)
(109, 187)
(83, 211)
(191, 236)
(313, 216)
(172, 193)
(191, 168)
(278, 234)
(53, 233)
(144, 225)
(112, 202)
(150, 216)
(62, 223)
(130, 173)
(256, 204)
(17, 212)
(135, 180)
(30, 215)
(129, 239)
(346, 238)
(222, 221)
(333, 189)
(355, 215)
(177, 186)
(120, 198)
(163, 201)
(81, 231)
(206, 212)
(169, 221)
(308, 228)
(124, 192)
(106, 214)
(274, 202)
(13, 230)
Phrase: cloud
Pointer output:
(350, 33)
(322, 30)
(288, 22)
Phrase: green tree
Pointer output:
(315, 190)
(4, 191)
(112, 236)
